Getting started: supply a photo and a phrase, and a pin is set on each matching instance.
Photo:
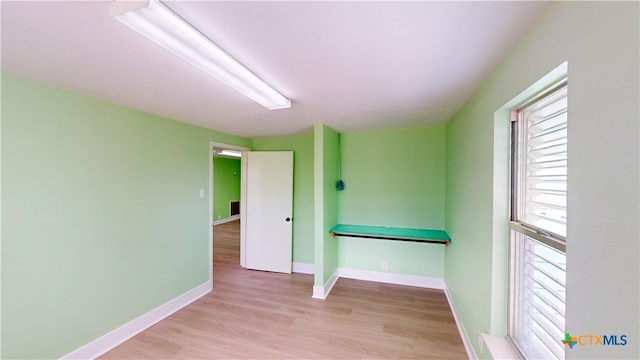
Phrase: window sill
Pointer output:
(497, 347)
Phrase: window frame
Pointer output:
(516, 225)
(517, 168)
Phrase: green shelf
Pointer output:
(391, 233)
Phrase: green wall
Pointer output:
(102, 219)
(600, 42)
(226, 186)
(302, 146)
(393, 178)
(325, 202)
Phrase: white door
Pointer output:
(269, 210)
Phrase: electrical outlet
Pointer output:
(219, 217)
(384, 266)
(480, 341)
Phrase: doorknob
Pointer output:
(288, 219)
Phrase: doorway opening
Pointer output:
(227, 195)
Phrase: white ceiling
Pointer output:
(351, 65)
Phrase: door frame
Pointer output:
(243, 200)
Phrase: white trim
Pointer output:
(243, 209)
(211, 214)
(498, 348)
(390, 278)
(318, 292)
(226, 220)
(303, 268)
(216, 144)
(116, 337)
(321, 292)
(463, 333)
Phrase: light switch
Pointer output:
(201, 193)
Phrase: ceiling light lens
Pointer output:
(162, 26)
(231, 153)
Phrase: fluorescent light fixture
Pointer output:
(159, 24)
(231, 153)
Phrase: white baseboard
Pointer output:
(116, 337)
(390, 278)
(303, 268)
(463, 333)
(409, 280)
(229, 219)
(318, 292)
(321, 292)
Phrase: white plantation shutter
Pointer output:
(539, 298)
(539, 227)
(545, 163)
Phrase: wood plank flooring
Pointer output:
(261, 315)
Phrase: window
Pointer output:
(539, 225)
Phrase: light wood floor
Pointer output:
(259, 315)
